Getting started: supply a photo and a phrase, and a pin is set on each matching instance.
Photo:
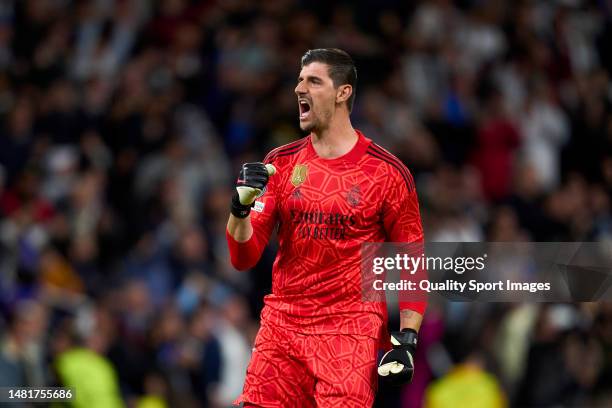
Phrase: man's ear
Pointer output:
(344, 92)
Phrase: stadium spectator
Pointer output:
(121, 124)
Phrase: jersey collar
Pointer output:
(353, 156)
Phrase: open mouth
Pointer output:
(304, 108)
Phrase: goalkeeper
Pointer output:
(327, 193)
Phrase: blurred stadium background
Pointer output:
(123, 125)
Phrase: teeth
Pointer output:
(304, 109)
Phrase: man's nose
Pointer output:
(300, 88)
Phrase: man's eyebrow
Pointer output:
(310, 77)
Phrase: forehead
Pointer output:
(318, 69)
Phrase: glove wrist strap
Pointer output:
(238, 209)
(407, 338)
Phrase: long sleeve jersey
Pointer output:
(325, 209)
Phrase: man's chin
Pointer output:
(307, 126)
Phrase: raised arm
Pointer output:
(253, 214)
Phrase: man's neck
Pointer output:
(336, 140)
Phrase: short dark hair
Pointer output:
(342, 68)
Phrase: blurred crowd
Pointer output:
(123, 125)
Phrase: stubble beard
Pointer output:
(307, 128)
(317, 125)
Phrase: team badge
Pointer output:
(353, 196)
(300, 172)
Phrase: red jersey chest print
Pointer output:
(325, 209)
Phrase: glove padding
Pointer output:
(397, 365)
(250, 185)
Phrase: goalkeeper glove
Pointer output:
(250, 186)
(397, 365)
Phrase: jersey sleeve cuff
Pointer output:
(243, 255)
(418, 307)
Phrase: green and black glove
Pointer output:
(250, 185)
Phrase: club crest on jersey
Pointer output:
(353, 196)
(300, 172)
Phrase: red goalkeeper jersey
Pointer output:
(325, 209)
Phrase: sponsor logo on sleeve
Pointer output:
(259, 206)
